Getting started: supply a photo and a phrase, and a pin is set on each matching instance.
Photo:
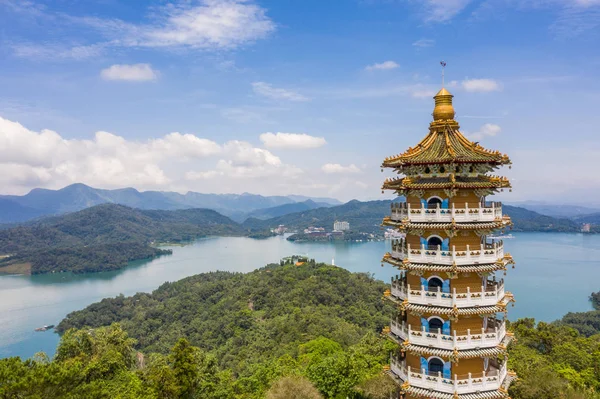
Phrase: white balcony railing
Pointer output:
(420, 295)
(470, 383)
(485, 253)
(471, 339)
(484, 213)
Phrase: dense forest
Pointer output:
(105, 237)
(313, 329)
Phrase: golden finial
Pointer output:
(443, 101)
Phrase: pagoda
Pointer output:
(450, 326)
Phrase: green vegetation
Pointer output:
(526, 220)
(366, 217)
(105, 237)
(554, 361)
(278, 332)
(595, 298)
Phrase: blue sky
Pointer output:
(283, 97)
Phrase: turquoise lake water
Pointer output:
(555, 274)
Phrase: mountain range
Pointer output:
(43, 202)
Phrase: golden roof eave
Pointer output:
(443, 183)
(479, 268)
(445, 144)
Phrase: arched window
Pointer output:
(434, 202)
(435, 325)
(436, 366)
(433, 243)
(434, 283)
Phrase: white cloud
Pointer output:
(31, 159)
(296, 141)
(202, 24)
(266, 90)
(443, 10)
(245, 161)
(132, 73)
(386, 65)
(480, 85)
(424, 43)
(337, 168)
(487, 130)
(213, 24)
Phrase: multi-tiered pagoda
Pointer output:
(451, 322)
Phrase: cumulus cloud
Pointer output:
(337, 168)
(487, 130)
(32, 159)
(386, 65)
(424, 43)
(133, 73)
(245, 161)
(266, 90)
(297, 141)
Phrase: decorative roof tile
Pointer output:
(445, 144)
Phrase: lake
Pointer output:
(555, 274)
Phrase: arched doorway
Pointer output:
(434, 203)
(436, 366)
(435, 325)
(434, 283)
(434, 243)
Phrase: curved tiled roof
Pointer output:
(427, 393)
(405, 306)
(481, 268)
(406, 225)
(445, 144)
(450, 182)
(491, 351)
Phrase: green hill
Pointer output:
(363, 216)
(317, 322)
(104, 237)
(366, 217)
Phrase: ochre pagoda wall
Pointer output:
(466, 366)
(473, 323)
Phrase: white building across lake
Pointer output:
(341, 226)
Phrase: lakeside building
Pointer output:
(450, 326)
(341, 226)
(586, 228)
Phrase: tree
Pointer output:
(295, 387)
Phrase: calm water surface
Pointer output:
(555, 274)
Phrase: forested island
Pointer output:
(271, 333)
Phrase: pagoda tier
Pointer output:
(465, 342)
(450, 342)
(417, 228)
(467, 255)
(403, 185)
(450, 270)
